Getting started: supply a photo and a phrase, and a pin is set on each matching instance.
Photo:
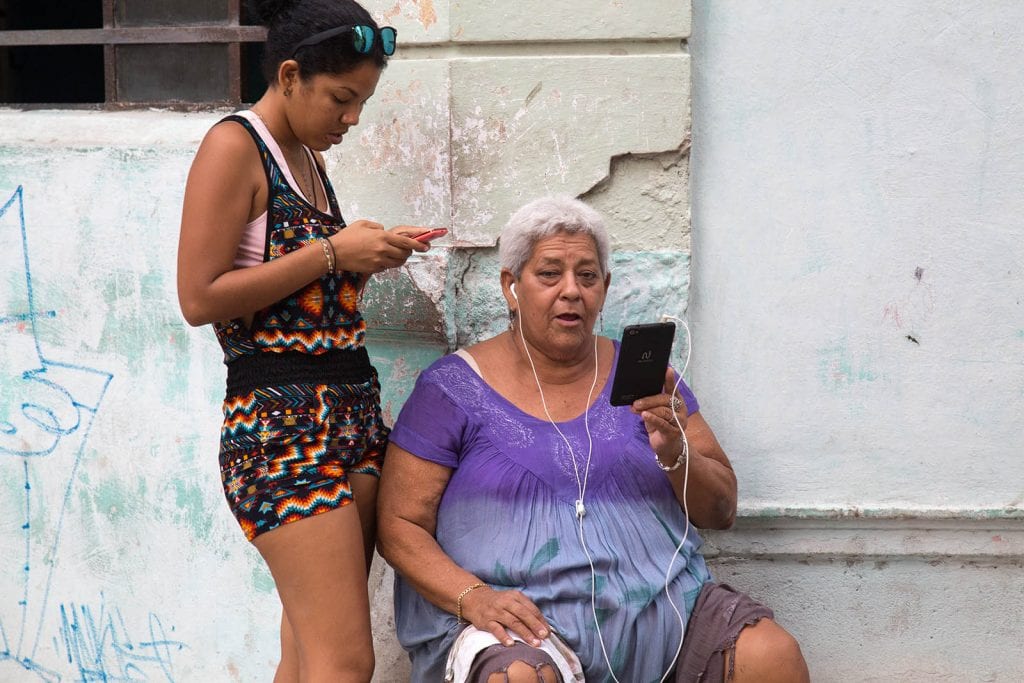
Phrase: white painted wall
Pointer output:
(858, 285)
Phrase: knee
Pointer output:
(521, 672)
(361, 666)
(788, 655)
(767, 653)
(347, 666)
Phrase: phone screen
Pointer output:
(643, 360)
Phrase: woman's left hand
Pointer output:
(659, 413)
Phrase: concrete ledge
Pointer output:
(896, 537)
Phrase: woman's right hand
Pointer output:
(499, 612)
(366, 247)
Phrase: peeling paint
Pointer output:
(425, 13)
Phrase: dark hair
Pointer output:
(289, 22)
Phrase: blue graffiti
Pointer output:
(101, 649)
(47, 409)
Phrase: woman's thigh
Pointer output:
(319, 568)
(364, 492)
(719, 617)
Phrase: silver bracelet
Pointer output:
(683, 455)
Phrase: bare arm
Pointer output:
(410, 492)
(711, 489)
(226, 186)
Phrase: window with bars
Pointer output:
(129, 53)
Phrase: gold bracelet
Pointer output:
(335, 268)
(463, 594)
(328, 254)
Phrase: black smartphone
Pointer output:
(643, 360)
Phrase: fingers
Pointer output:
(670, 382)
(663, 435)
(668, 399)
(405, 243)
(365, 247)
(411, 230)
(502, 612)
(662, 420)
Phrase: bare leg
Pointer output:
(767, 653)
(321, 577)
(288, 668)
(364, 491)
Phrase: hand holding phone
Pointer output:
(643, 360)
(430, 235)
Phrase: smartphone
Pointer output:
(430, 235)
(643, 360)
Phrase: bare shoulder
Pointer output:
(226, 175)
(229, 143)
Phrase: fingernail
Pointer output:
(509, 642)
(543, 633)
(535, 642)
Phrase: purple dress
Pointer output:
(508, 516)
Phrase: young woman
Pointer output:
(266, 256)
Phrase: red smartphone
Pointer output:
(430, 235)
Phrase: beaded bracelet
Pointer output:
(463, 594)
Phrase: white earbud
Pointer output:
(512, 288)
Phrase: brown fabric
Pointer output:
(718, 617)
(498, 658)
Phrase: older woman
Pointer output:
(534, 526)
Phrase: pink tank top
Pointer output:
(254, 239)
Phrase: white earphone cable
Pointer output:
(686, 510)
(581, 486)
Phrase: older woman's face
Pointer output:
(561, 291)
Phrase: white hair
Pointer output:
(545, 217)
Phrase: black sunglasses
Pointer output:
(362, 38)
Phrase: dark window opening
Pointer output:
(129, 52)
(38, 74)
(39, 15)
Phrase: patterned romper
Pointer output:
(302, 408)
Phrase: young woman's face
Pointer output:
(560, 293)
(326, 106)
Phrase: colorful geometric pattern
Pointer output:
(286, 451)
(321, 316)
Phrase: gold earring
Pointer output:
(288, 91)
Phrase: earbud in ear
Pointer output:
(512, 288)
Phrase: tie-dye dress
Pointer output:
(508, 516)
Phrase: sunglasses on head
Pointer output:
(363, 37)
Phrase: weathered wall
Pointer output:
(857, 309)
(118, 557)
(855, 176)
